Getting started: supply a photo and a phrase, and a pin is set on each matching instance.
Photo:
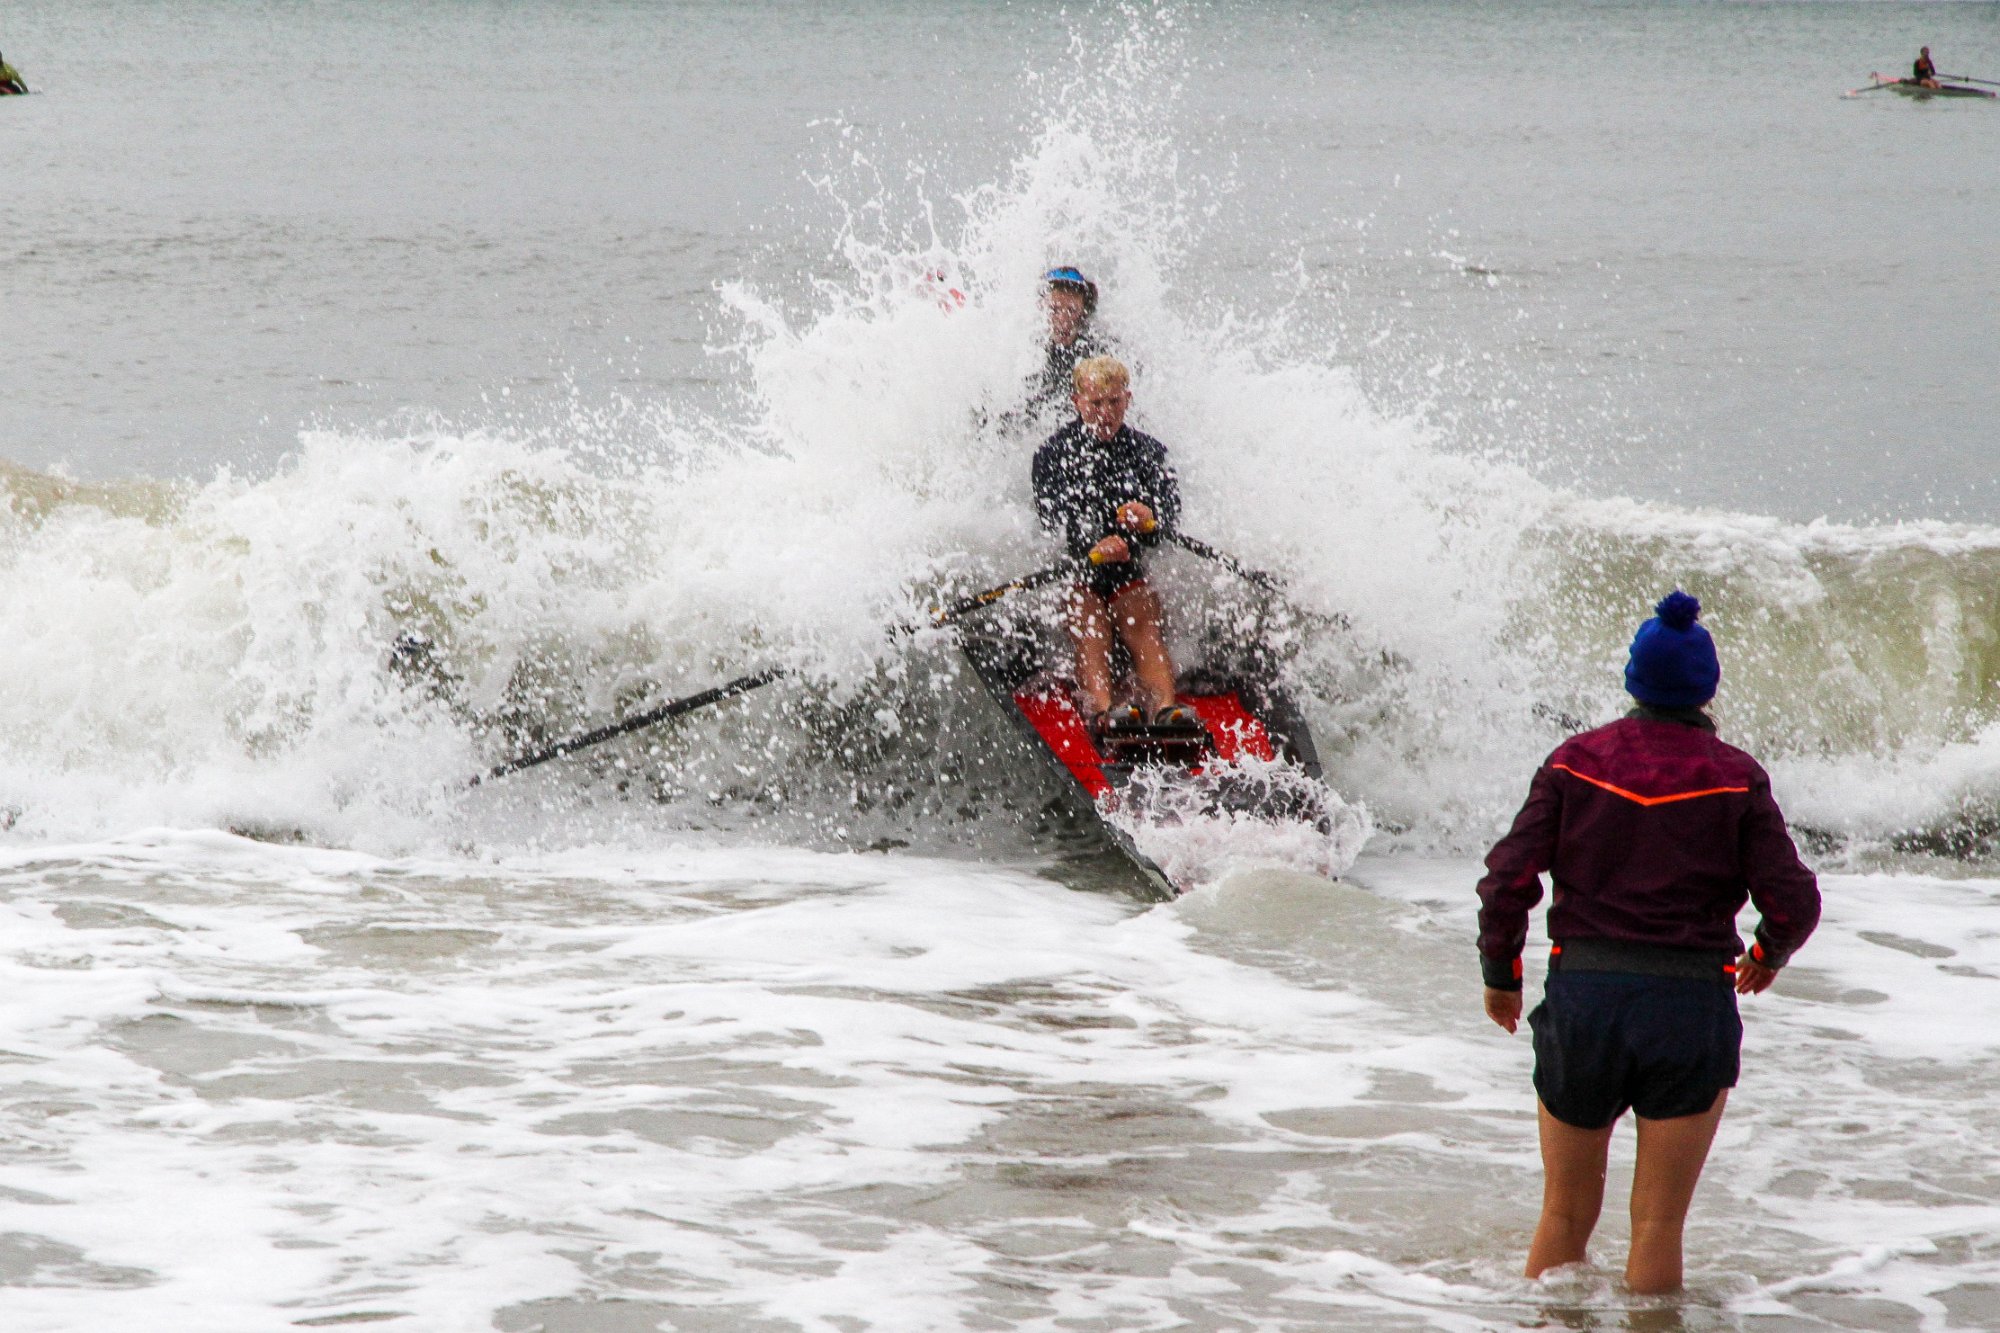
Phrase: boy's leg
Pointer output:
(1572, 1191)
(1136, 608)
(1090, 632)
(1671, 1155)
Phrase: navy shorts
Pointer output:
(1107, 581)
(1606, 1042)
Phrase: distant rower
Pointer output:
(1924, 74)
(10, 80)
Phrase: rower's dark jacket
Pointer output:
(1081, 480)
(1654, 832)
(1053, 384)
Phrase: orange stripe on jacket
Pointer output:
(1647, 800)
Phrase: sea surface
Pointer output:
(599, 352)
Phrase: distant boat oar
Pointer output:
(756, 680)
(1875, 87)
(1967, 78)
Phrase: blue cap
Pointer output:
(1069, 275)
(1673, 662)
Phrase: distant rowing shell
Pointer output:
(1911, 88)
(1908, 89)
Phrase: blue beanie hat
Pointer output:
(1673, 660)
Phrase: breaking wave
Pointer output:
(328, 651)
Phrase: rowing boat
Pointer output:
(1251, 756)
(1911, 88)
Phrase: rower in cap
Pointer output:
(1071, 302)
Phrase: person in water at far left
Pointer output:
(1924, 74)
(1654, 832)
(1106, 490)
(10, 79)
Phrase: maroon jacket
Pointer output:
(1655, 832)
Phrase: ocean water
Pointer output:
(595, 344)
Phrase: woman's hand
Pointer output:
(1504, 1007)
(1111, 551)
(1752, 976)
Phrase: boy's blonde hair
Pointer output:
(1104, 372)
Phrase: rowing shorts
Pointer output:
(1107, 581)
(1608, 1041)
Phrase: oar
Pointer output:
(1875, 87)
(741, 685)
(1967, 78)
(1268, 582)
(963, 605)
(744, 684)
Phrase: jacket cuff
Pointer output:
(1761, 951)
(1500, 973)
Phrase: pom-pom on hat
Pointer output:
(1673, 660)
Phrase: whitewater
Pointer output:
(819, 1009)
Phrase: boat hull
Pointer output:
(1244, 715)
(1910, 88)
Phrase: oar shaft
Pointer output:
(1267, 582)
(727, 690)
(744, 684)
(966, 605)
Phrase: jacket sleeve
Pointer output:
(1513, 882)
(1168, 510)
(1785, 893)
(1162, 494)
(1057, 507)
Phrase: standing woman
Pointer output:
(1654, 833)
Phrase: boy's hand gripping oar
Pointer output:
(745, 684)
(1150, 525)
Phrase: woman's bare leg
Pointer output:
(1090, 632)
(1671, 1155)
(1136, 609)
(1572, 1191)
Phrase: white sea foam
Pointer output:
(1235, 817)
(792, 1090)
